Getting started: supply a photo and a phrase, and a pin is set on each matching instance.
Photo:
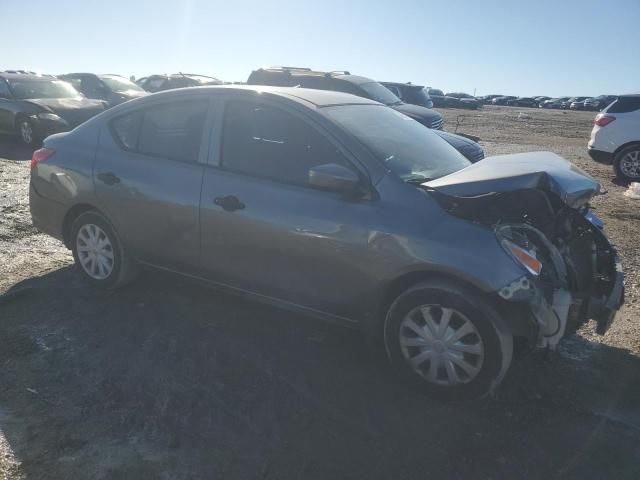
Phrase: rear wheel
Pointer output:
(98, 252)
(626, 163)
(445, 340)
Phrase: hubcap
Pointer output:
(630, 164)
(441, 345)
(26, 131)
(95, 251)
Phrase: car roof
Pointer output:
(26, 76)
(317, 98)
(406, 85)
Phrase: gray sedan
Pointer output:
(341, 208)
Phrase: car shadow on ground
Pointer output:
(168, 378)
(12, 149)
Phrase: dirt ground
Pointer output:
(171, 379)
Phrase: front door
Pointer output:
(265, 229)
(148, 175)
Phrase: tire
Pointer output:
(468, 375)
(98, 252)
(626, 163)
(27, 132)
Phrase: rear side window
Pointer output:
(625, 105)
(172, 130)
(267, 142)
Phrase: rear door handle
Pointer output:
(229, 203)
(109, 178)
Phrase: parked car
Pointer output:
(487, 99)
(439, 99)
(159, 83)
(113, 89)
(34, 106)
(554, 103)
(523, 102)
(599, 103)
(567, 103)
(338, 206)
(342, 81)
(541, 99)
(502, 100)
(578, 103)
(409, 93)
(466, 100)
(615, 138)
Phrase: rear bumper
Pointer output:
(47, 215)
(601, 156)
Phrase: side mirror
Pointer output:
(334, 177)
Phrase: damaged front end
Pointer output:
(571, 272)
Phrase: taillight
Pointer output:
(602, 120)
(41, 155)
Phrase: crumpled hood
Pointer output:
(62, 105)
(535, 170)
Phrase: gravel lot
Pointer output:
(170, 379)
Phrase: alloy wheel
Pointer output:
(630, 164)
(26, 132)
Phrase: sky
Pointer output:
(511, 47)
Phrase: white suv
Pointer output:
(615, 138)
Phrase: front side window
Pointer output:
(24, 89)
(412, 152)
(172, 130)
(263, 141)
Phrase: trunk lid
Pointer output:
(522, 171)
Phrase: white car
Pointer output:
(615, 138)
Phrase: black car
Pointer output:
(158, 83)
(113, 89)
(466, 100)
(599, 103)
(523, 102)
(502, 100)
(35, 106)
(343, 81)
(486, 99)
(409, 93)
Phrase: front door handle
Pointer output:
(230, 203)
(109, 178)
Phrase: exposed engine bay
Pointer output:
(573, 271)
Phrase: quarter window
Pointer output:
(268, 142)
(172, 130)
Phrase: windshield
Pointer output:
(379, 93)
(118, 84)
(407, 148)
(43, 89)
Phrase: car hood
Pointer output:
(417, 112)
(506, 173)
(131, 94)
(62, 105)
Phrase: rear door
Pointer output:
(264, 229)
(148, 175)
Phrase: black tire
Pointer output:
(497, 344)
(24, 125)
(621, 170)
(123, 267)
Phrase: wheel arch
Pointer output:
(503, 314)
(626, 145)
(71, 215)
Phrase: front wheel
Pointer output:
(626, 163)
(27, 132)
(445, 339)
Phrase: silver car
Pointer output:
(341, 208)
